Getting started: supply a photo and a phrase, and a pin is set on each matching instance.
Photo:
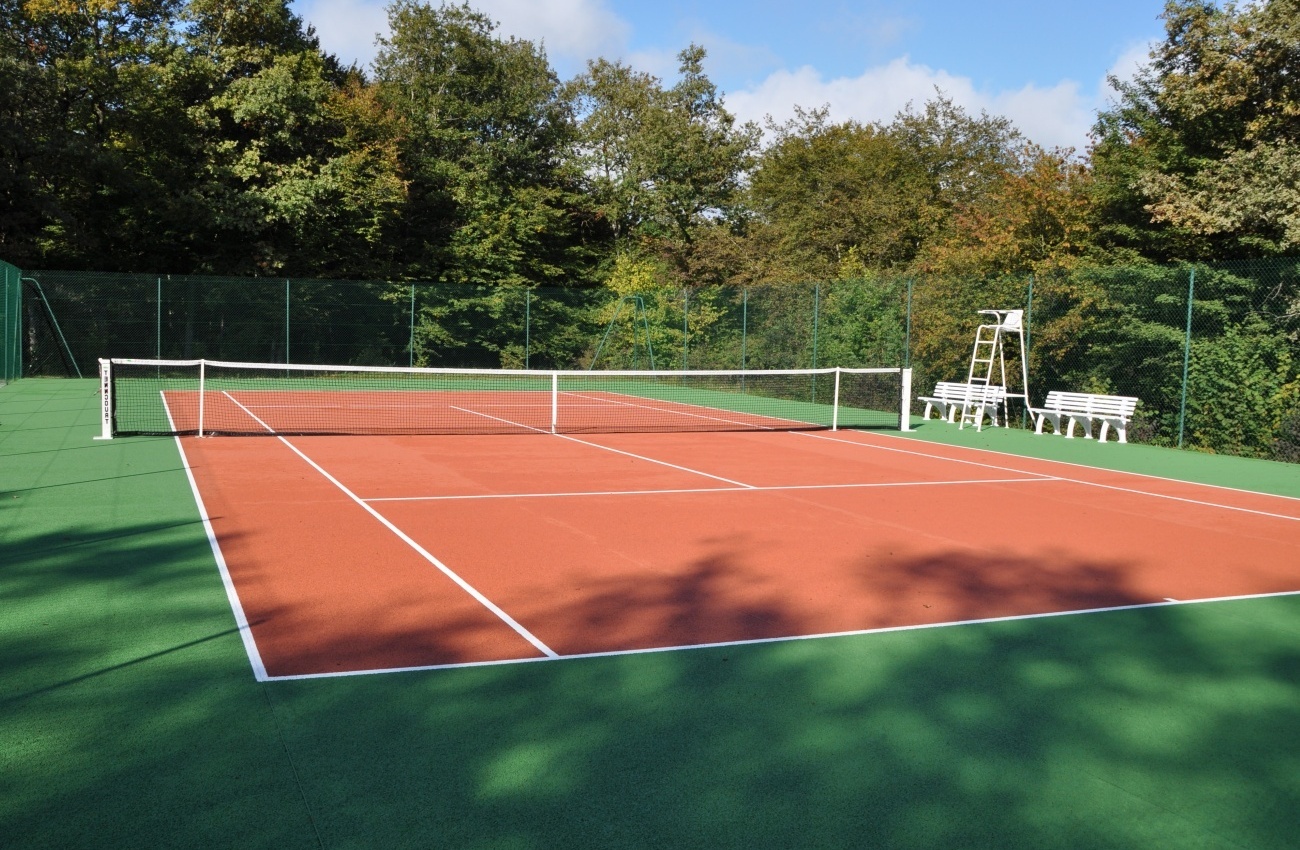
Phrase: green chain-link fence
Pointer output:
(1212, 351)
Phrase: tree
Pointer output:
(962, 157)
(1198, 159)
(659, 163)
(822, 190)
(1031, 219)
(1242, 384)
(297, 166)
(84, 116)
(484, 151)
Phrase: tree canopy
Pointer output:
(200, 136)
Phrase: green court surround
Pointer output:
(129, 716)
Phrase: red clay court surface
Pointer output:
(364, 554)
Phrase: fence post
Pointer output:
(1187, 355)
(11, 331)
(410, 340)
(744, 326)
(817, 303)
(286, 322)
(907, 333)
(528, 325)
(686, 303)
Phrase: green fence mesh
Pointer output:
(11, 300)
(1213, 352)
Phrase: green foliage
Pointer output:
(641, 317)
(823, 190)
(864, 322)
(491, 197)
(659, 163)
(1242, 386)
(1197, 160)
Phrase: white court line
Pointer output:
(618, 653)
(1198, 502)
(405, 538)
(918, 453)
(232, 596)
(689, 490)
(1225, 487)
(605, 448)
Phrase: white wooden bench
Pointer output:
(1113, 411)
(951, 399)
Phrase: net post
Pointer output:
(905, 413)
(555, 402)
(105, 399)
(835, 402)
(202, 378)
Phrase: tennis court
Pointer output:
(755, 636)
(644, 512)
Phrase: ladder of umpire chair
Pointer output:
(988, 361)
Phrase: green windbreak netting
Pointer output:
(11, 299)
(1211, 351)
(852, 323)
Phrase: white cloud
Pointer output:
(572, 31)
(1059, 116)
(1126, 66)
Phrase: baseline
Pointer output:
(615, 653)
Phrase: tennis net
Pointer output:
(205, 397)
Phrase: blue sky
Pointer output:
(1042, 64)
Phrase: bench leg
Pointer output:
(1121, 431)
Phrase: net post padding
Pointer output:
(105, 399)
(203, 373)
(905, 405)
(555, 402)
(835, 406)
